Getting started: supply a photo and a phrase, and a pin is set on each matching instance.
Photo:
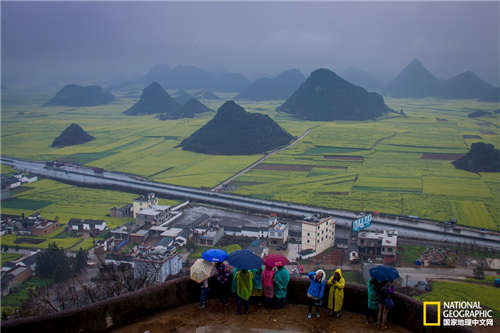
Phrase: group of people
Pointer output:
(268, 286)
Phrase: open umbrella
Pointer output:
(384, 273)
(274, 259)
(201, 270)
(214, 255)
(244, 259)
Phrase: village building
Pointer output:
(124, 211)
(208, 235)
(44, 228)
(143, 202)
(140, 236)
(318, 233)
(277, 232)
(378, 245)
(156, 264)
(80, 225)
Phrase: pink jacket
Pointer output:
(267, 277)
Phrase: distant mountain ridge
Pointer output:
(416, 81)
(72, 135)
(325, 96)
(280, 87)
(75, 95)
(233, 131)
(192, 77)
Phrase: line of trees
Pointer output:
(55, 264)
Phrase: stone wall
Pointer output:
(135, 306)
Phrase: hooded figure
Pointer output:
(244, 284)
(257, 282)
(267, 282)
(315, 291)
(281, 279)
(336, 294)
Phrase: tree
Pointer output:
(53, 264)
(80, 261)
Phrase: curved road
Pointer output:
(427, 230)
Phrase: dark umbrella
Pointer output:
(384, 273)
(214, 255)
(273, 260)
(244, 259)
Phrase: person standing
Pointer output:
(243, 288)
(204, 290)
(223, 277)
(257, 285)
(281, 280)
(336, 293)
(373, 300)
(315, 291)
(385, 304)
(268, 285)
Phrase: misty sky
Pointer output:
(75, 41)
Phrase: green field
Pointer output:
(463, 291)
(5, 257)
(360, 166)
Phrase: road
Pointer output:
(427, 230)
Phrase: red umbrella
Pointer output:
(275, 259)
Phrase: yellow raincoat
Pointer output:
(337, 291)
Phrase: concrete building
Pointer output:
(86, 225)
(277, 233)
(208, 235)
(378, 245)
(124, 211)
(143, 202)
(318, 233)
(156, 264)
(139, 236)
(153, 215)
(120, 232)
(44, 228)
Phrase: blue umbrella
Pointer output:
(384, 273)
(244, 259)
(214, 255)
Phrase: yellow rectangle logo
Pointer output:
(438, 313)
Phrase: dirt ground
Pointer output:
(219, 318)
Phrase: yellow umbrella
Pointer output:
(202, 270)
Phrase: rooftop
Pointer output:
(219, 318)
(149, 212)
(389, 238)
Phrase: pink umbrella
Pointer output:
(275, 259)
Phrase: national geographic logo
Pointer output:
(456, 313)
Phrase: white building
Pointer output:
(318, 233)
(86, 225)
(277, 233)
(378, 244)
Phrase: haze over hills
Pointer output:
(482, 157)
(187, 110)
(192, 77)
(233, 82)
(154, 99)
(492, 95)
(233, 131)
(75, 95)
(72, 135)
(280, 87)
(362, 78)
(415, 81)
(326, 96)
(206, 94)
(181, 96)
